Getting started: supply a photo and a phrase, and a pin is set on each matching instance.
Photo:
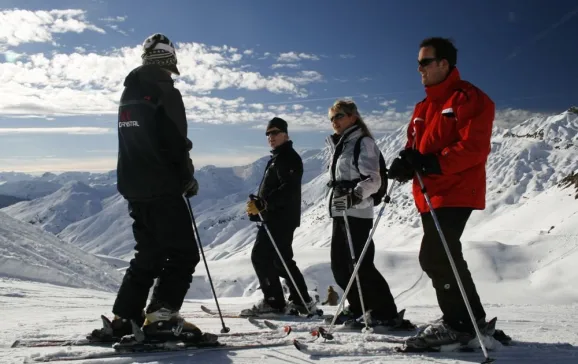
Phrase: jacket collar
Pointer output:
(285, 146)
(443, 90)
(334, 139)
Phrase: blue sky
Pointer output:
(62, 65)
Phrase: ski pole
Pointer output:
(309, 314)
(453, 265)
(327, 334)
(352, 251)
(225, 329)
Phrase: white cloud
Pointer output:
(115, 19)
(285, 65)
(25, 26)
(65, 130)
(292, 57)
(387, 102)
(90, 83)
(346, 56)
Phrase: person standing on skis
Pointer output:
(350, 197)
(279, 203)
(156, 176)
(448, 144)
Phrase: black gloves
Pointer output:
(423, 163)
(411, 160)
(344, 198)
(400, 170)
(191, 188)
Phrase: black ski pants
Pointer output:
(434, 261)
(165, 249)
(269, 267)
(376, 293)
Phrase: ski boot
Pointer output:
(441, 336)
(385, 326)
(296, 309)
(262, 308)
(113, 331)
(346, 318)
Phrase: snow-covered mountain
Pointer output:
(528, 220)
(29, 253)
(73, 202)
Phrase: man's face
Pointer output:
(275, 137)
(432, 70)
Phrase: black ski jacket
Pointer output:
(281, 186)
(153, 148)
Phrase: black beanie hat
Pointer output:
(277, 123)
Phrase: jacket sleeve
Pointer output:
(475, 114)
(368, 165)
(289, 173)
(179, 144)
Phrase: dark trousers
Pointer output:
(165, 249)
(376, 294)
(269, 267)
(434, 261)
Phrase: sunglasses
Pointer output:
(273, 132)
(424, 62)
(337, 116)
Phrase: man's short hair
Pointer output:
(444, 49)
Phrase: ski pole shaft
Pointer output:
(282, 260)
(225, 329)
(352, 251)
(386, 200)
(452, 263)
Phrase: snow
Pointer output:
(522, 251)
(543, 333)
(29, 253)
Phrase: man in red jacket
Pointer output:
(448, 144)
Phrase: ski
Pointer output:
(287, 316)
(274, 331)
(162, 350)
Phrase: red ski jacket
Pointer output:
(455, 123)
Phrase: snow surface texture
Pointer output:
(542, 333)
(29, 253)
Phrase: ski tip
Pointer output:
(297, 344)
(15, 344)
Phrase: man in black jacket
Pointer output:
(155, 176)
(279, 202)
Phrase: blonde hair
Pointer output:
(350, 108)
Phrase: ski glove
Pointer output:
(192, 188)
(423, 163)
(344, 199)
(255, 205)
(400, 170)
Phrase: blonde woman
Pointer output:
(352, 183)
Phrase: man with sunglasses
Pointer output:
(279, 203)
(448, 144)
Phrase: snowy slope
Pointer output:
(543, 333)
(29, 253)
(73, 202)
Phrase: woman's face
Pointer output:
(340, 121)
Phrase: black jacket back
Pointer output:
(281, 185)
(153, 148)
